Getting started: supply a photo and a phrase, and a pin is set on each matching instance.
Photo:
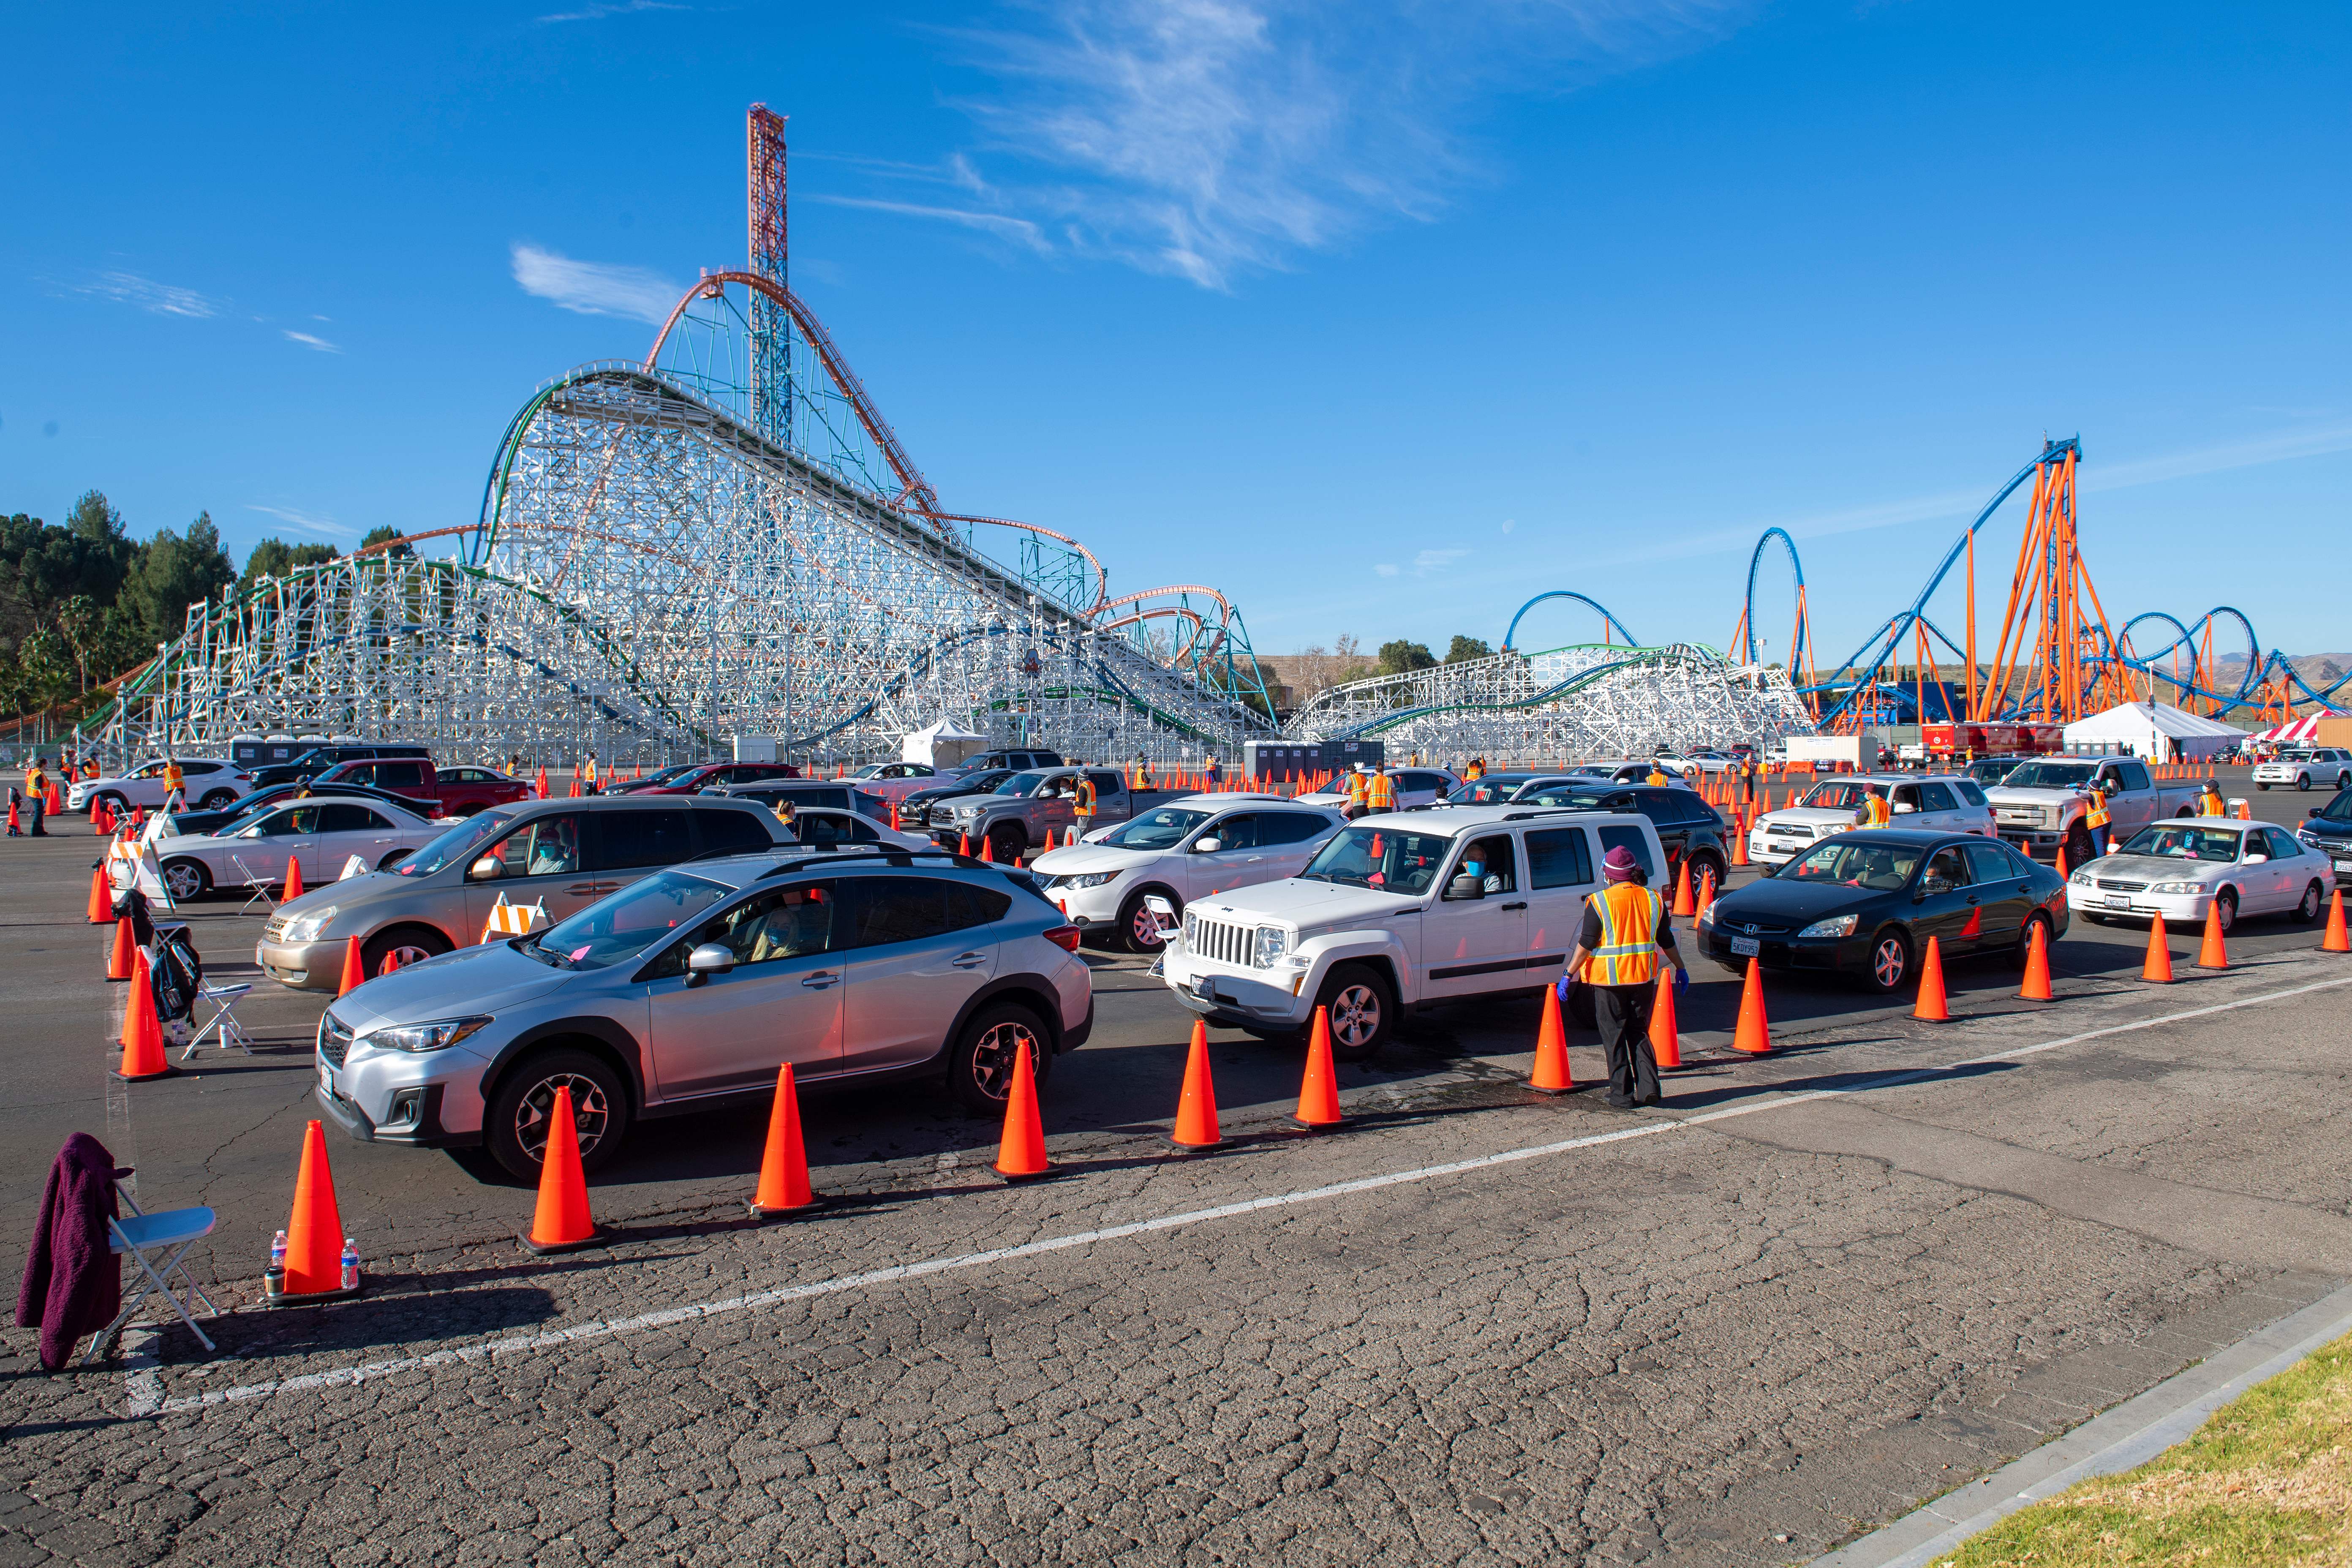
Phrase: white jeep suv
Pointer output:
(1185, 849)
(1402, 910)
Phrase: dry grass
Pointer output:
(2267, 1480)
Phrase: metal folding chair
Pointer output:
(142, 1236)
(257, 887)
(223, 1025)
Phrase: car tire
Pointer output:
(2313, 900)
(2303, 783)
(1890, 962)
(186, 879)
(1361, 1010)
(219, 800)
(514, 1125)
(1703, 863)
(1006, 840)
(413, 944)
(2078, 846)
(2023, 949)
(1135, 920)
(2264, 787)
(394, 859)
(980, 1067)
(2225, 909)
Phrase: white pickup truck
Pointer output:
(2042, 804)
(1402, 910)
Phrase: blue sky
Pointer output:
(1380, 316)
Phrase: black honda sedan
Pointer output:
(1864, 903)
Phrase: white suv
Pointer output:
(1414, 786)
(210, 784)
(1184, 850)
(1401, 911)
(1945, 803)
(2326, 765)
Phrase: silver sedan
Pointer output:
(322, 831)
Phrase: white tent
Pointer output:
(940, 745)
(2149, 730)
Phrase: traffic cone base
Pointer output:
(1318, 1091)
(1196, 1106)
(561, 1222)
(783, 1168)
(1552, 1073)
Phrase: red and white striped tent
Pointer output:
(2296, 732)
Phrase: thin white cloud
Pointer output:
(1509, 523)
(1020, 230)
(601, 9)
(157, 299)
(309, 523)
(1430, 561)
(2279, 446)
(594, 288)
(308, 342)
(1386, 569)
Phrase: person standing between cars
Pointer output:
(588, 777)
(2096, 817)
(1380, 790)
(37, 794)
(175, 786)
(1212, 769)
(1082, 805)
(1356, 788)
(1873, 811)
(1625, 930)
(2207, 803)
(1475, 771)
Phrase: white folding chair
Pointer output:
(223, 1025)
(257, 887)
(142, 1236)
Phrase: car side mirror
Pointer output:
(1930, 886)
(483, 869)
(1465, 886)
(1903, 806)
(1207, 846)
(2315, 811)
(2256, 858)
(711, 958)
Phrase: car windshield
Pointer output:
(1834, 796)
(457, 843)
(617, 929)
(1020, 783)
(1880, 867)
(2340, 808)
(1993, 772)
(1380, 858)
(2049, 775)
(2183, 841)
(674, 773)
(1161, 829)
(1491, 789)
(1575, 797)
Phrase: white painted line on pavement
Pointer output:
(523, 1344)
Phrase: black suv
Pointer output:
(911, 807)
(2328, 829)
(1687, 827)
(319, 759)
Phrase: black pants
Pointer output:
(38, 808)
(1622, 1012)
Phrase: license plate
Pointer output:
(1746, 946)
(327, 1079)
(2344, 864)
(2119, 900)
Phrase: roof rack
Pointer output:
(883, 854)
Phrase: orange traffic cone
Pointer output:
(1684, 908)
(963, 846)
(119, 960)
(561, 1222)
(314, 1235)
(1049, 843)
(1552, 1074)
(142, 1032)
(2335, 940)
(101, 897)
(1665, 1034)
(1196, 1108)
(2061, 862)
(1754, 1035)
(1319, 1092)
(1930, 1007)
(784, 1169)
(1706, 893)
(391, 962)
(538, 784)
(354, 968)
(1739, 843)
(894, 816)
(1021, 1153)
(2214, 952)
(293, 879)
(2037, 967)
(986, 853)
(2156, 969)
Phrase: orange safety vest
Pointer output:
(1628, 954)
(1476, 770)
(172, 779)
(1083, 803)
(1379, 793)
(1355, 789)
(1876, 813)
(2096, 817)
(1656, 776)
(2210, 803)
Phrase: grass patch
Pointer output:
(2266, 1480)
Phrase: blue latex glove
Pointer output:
(1681, 981)
(1562, 986)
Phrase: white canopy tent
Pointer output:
(942, 745)
(2152, 731)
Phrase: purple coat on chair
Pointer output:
(73, 1280)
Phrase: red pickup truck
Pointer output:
(456, 791)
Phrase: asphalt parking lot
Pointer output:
(1476, 1327)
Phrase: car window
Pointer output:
(1969, 792)
(288, 823)
(1278, 827)
(1904, 794)
(455, 846)
(1632, 839)
(2282, 844)
(1989, 863)
(1382, 859)
(2184, 841)
(1935, 797)
(788, 922)
(1857, 862)
(1021, 784)
(1163, 828)
(1483, 791)
(544, 847)
(1424, 780)
(1833, 796)
(887, 910)
(1238, 831)
(1106, 783)
(730, 832)
(1950, 864)
(1495, 861)
(340, 817)
(399, 775)
(616, 929)
(629, 840)
(822, 830)
(1557, 857)
(2135, 776)
(190, 770)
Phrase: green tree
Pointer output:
(174, 573)
(276, 558)
(1398, 657)
(386, 536)
(1464, 649)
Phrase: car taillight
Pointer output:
(1064, 937)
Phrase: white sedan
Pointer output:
(210, 784)
(893, 781)
(1185, 849)
(321, 831)
(1414, 786)
(2196, 868)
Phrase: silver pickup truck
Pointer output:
(1014, 817)
(2042, 803)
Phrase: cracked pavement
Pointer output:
(1737, 1331)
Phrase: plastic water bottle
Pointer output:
(350, 1265)
(277, 1252)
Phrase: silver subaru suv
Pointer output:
(689, 988)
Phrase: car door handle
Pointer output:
(971, 960)
(820, 979)
(580, 888)
(1519, 906)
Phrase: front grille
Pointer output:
(334, 1038)
(1758, 928)
(1788, 830)
(2110, 885)
(1220, 943)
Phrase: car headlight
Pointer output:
(438, 1036)
(2190, 887)
(1086, 879)
(1272, 942)
(967, 812)
(1706, 915)
(305, 927)
(1836, 925)
(1191, 924)
(2081, 879)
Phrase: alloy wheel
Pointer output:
(590, 1114)
(1143, 927)
(1355, 1016)
(1887, 961)
(992, 1060)
(183, 881)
